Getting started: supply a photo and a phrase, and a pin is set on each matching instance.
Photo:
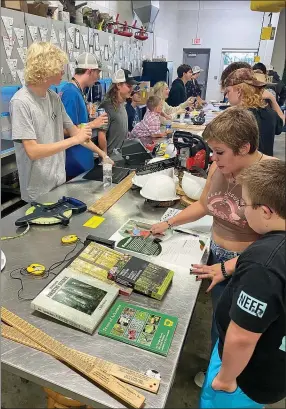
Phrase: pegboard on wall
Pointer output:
(19, 30)
(77, 43)
(46, 29)
(13, 47)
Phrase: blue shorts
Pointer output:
(220, 399)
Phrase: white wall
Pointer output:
(165, 30)
(123, 7)
(278, 57)
(220, 25)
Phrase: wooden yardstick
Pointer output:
(120, 372)
(72, 358)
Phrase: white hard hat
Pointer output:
(140, 180)
(193, 185)
(159, 188)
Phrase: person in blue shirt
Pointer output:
(79, 159)
(133, 112)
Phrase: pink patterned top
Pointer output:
(223, 204)
(149, 125)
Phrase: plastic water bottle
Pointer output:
(106, 172)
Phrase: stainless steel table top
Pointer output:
(42, 244)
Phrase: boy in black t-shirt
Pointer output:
(248, 365)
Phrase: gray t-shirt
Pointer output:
(117, 128)
(42, 119)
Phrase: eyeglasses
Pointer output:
(241, 203)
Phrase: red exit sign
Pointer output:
(197, 41)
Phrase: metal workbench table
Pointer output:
(42, 244)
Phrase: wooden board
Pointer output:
(75, 360)
(124, 374)
(179, 191)
(188, 127)
(186, 201)
(112, 196)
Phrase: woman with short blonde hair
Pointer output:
(162, 90)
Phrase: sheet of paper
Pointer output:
(97, 54)
(71, 33)
(34, 32)
(22, 53)
(12, 64)
(21, 76)
(85, 41)
(44, 33)
(110, 42)
(8, 23)
(121, 52)
(70, 48)
(20, 32)
(8, 46)
(174, 251)
(94, 222)
(62, 37)
(202, 225)
(90, 36)
(77, 39)
(96, 42)
(54, 39)
(72, 68)
(76, 54)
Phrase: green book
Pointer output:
(137, 326)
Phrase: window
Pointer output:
(229, 56)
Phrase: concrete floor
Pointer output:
(17, 393)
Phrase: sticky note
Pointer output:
(94, 222)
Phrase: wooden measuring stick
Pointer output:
(124, 374)
(112, 196)
(109, 382)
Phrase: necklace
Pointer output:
(79, 87)
(234, 181)
(229, 191)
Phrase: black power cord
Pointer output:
(22, 271)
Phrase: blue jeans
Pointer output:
(217, 255)
(212, 399)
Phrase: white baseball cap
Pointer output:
(123, 76)
(88, 61)
(196, 69)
